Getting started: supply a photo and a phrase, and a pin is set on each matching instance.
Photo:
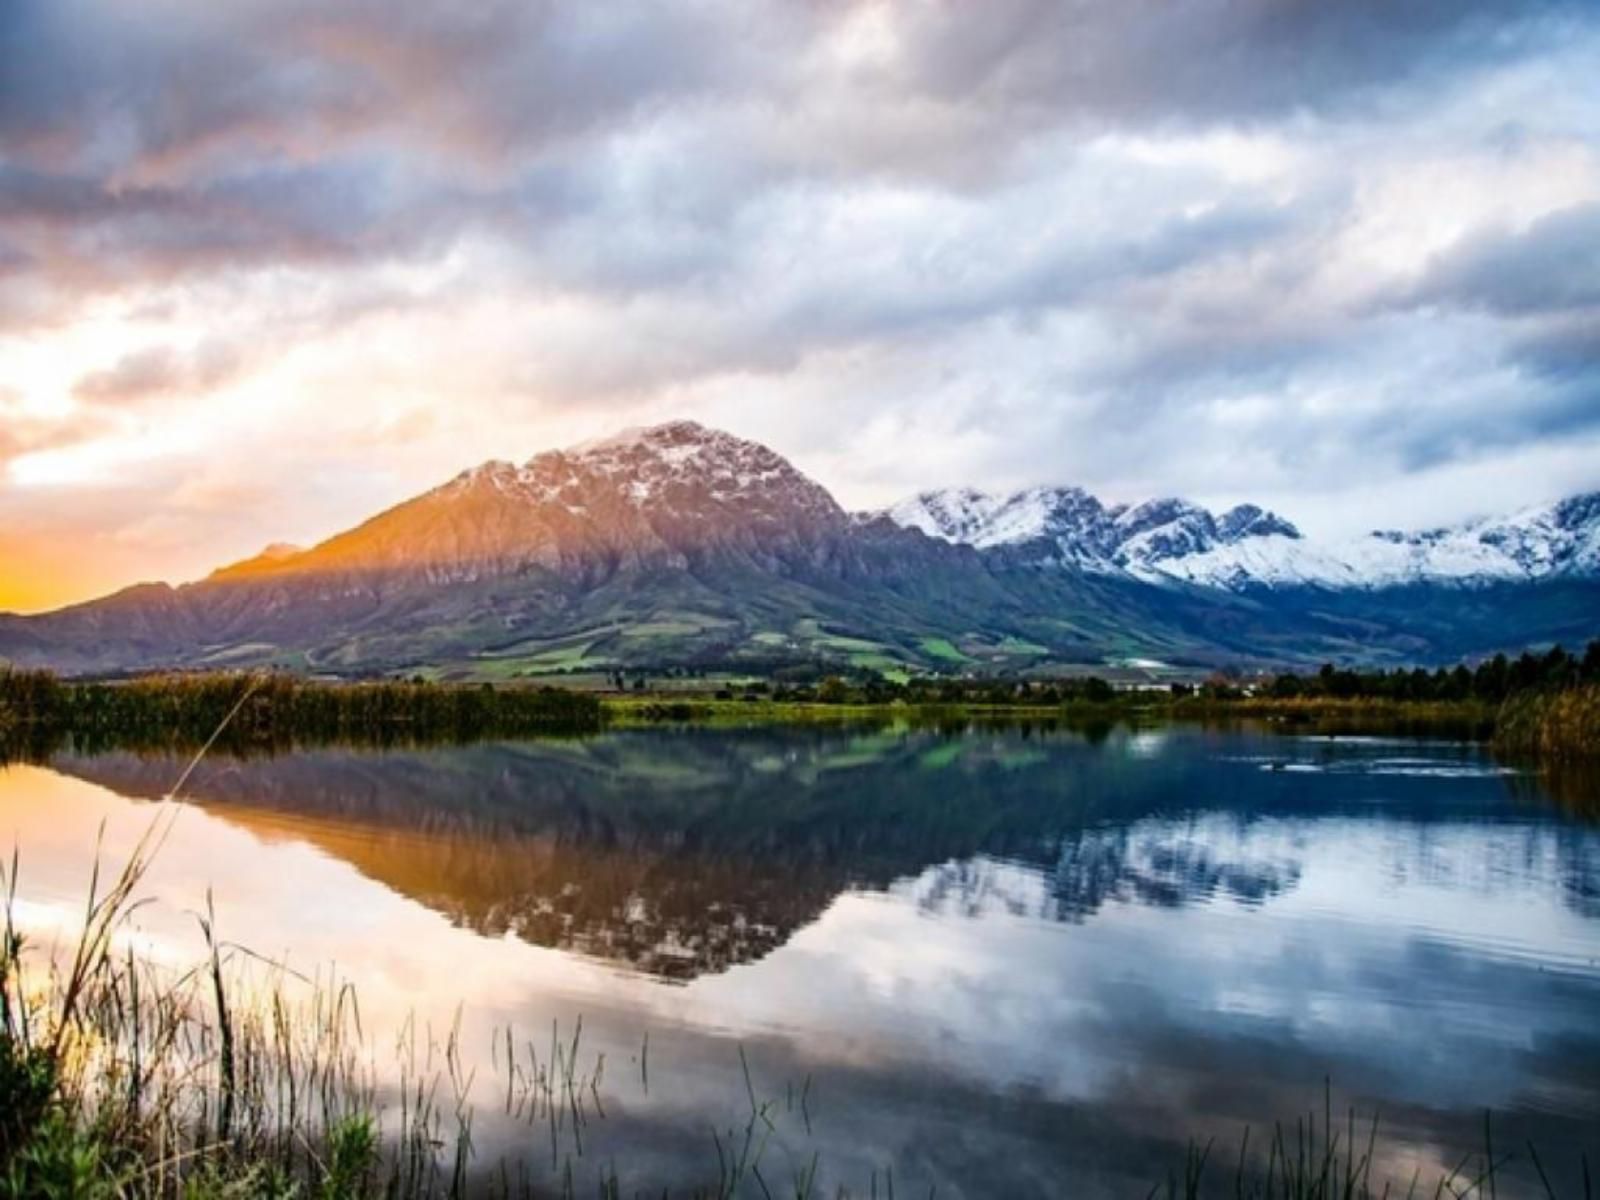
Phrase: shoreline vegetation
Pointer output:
(1541, 707)
(246, 714)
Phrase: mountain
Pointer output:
(653, 497)
(1248, 548)
(680, 547)
(1069, 527)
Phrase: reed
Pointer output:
(237, 1077)
(1554, 724)
(1335, 1159)
(268, 713)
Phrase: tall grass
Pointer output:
(1336, 1159)
(265, 713)
(238, 1078)
(121, 1077)
(1554, 724)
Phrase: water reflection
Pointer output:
(687, 852)
(1006, 960)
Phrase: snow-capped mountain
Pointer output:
(1070, 527)
(1247, 547)
(1078, 529)
(645, 495)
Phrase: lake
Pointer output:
(994, 961)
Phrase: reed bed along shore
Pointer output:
(123, 1077)
(256, 713)
(1557, 724)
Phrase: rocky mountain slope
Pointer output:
(680, 546)
(653, 497)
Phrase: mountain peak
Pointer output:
(669, 433)
(1249, 520)
(1245, 547)
(659, 494)
(682, 469)
(1068, 516)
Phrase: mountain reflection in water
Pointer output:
(1007, 959)
(685, 852)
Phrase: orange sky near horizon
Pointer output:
(28, 583)
(38, 575)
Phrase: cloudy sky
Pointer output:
(267, 266)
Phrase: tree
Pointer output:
(833, 690)
(1097, 690)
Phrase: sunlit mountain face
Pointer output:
(649, 497)
(678, 545)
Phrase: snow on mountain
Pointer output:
(1077, 526)
(647, 496)
(1071, 527)
(1546, 541)
(1161, 532)
(679, 469)
(1173, 539)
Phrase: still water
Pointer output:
(997, 962)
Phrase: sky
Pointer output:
(269, 267)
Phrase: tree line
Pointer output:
(1490, 681)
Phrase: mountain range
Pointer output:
(1247, 548)
(680, 546)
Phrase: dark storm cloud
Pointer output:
(173, 87)
(163, 86)
(194, 139)
(1544, 280)
(1569, 351)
